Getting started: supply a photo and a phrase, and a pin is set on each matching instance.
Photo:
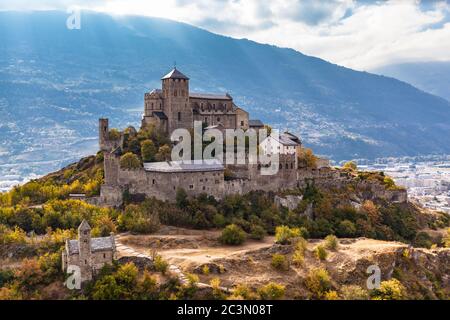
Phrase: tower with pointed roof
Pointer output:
(84, 242)
(175, 91)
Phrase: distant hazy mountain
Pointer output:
(55, 83)
(432, 77)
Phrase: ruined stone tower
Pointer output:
(84, 241)
(175, 90)
(103, 130)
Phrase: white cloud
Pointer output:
(361, 34)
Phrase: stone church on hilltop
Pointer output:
(174, 106)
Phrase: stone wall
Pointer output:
(164, 185)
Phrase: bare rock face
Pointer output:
(141, 263)
(291, 202)
(424, 273)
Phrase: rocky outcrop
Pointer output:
(289, 201)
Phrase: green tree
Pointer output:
(181, 198)
(148, 150)
(346, 228)
(164, 153)
(129, 161)
(232, 235)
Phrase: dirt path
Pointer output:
(126, 251)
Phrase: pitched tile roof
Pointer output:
(255, 123)
(210, 96)
(184, 166)
(97, 244)
(174, 74)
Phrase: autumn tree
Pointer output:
(129, 161)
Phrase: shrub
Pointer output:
(284, 234)
(320, 252)
(280, 262)
(216, 290)
(192, 279)
(331, 295)
(318, 282)
(331, 242)
(301, 244)
(160, 264)
(354, 292)
(346, 228)
(205, 270)
(16, 236)
(351, 165)
(423, 240)
(304, 233)
(6, 276)
(298, 258)
(257, 232)
(446, 240)
(389, 290)
(138, 219)
(241, 292)
(129, 161)
(232, 235)
(271, 291)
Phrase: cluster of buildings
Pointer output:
(173, 107)
(427, 181)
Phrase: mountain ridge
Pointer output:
(55, 83)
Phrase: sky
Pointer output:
(359, 34)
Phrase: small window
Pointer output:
(191, 186)
(104, 256)
(242, 123)
(179, 116)
(85, 261)
(204, 188)
(154, 181)
(218, 119)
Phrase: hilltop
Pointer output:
(56, 82)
